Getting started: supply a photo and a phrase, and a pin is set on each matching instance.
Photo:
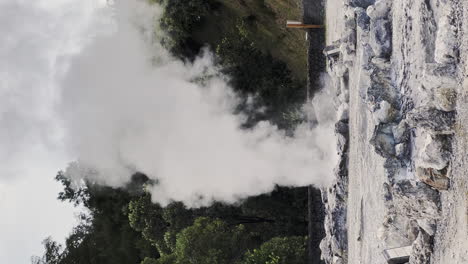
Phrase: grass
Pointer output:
(267, 29)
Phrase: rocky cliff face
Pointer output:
(396, 69)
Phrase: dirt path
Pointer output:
(451, 241)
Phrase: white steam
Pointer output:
(128, 106)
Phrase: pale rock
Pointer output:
(380, 37)
(432, 120)
(401, 133)
(379, 10)
(435, 153)
(385, 112)
(446, 46)
(445, 98)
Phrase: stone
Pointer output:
(360, 3)
(434, 178)
(401, 150)
(446, 45)
(422, 249)
(432, 120)
(435, 153)
(445, 98)
(383, 141)
(428, 225)
(385, 113)
(380, 38)
(362, 19)
(401, 133)
(437, 75)
(380, 9)
(416, 200)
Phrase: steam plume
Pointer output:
(128, 106)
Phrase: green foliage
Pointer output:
(146, 217)
(104, 234)
(210, 241)
(279, 250)
(256, 73)
(53, 253)
(180, 19)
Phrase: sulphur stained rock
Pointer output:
(434, 178)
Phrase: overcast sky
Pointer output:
(37, 42)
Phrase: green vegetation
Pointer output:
(279, 250)
(263, 61)
(124, 226)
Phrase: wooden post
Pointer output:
(297, 24)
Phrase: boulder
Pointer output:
(416, 200)
(432, 120)
(401, 150)
(445, 98)
(384, 113)
(383, 141)
(435, 153)
(380, 38)
(360, 3)
(401, 133)
(379, 10)
(362, 19)
(434, 178)
(422, 249)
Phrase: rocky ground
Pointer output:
(398, 70)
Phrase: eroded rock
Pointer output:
(432, 120)
(380, 38)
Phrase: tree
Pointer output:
(279, 250)
(256, 73)
(179, 20)
(53, 253)
(211, 241)
(104, 234)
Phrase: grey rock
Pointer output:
(434, 178)
(428, 225)
(440, 75)
(380, 38)
(422, 249)
(433, 120)
(401, 132)
(383, 141)
(445, 98)
(435, 152)
(362, 19)
(380, 9)
(401, 150)
(361, 3)
(416, 200)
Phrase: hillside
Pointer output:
(266, 25)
